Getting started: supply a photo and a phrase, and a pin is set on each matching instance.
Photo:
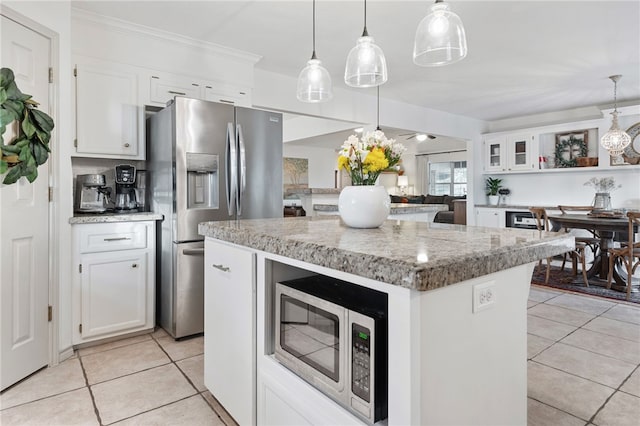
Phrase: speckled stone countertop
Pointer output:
(514, 206)
(114, 217)
(417, 255)
(396, 208)
(309, 191)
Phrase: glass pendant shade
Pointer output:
(314, 83)
(366, 65)
(616, 139)
(440, 38)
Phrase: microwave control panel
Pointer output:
(361, 362)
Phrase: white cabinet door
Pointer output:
(108, 113)
(493, 218)
(114, 292)
(163, 90)
(520, 148)
(227, 94)
(495, 154)
(229, 328)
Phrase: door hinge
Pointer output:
(80, 268)
(50, 75)
(50, 194)
(75, 143)
(75, 71)
(80, 328)
(50, 313)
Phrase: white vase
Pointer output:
(364, 206)
(493, 200)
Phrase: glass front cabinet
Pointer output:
(510, 153)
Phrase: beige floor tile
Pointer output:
(621, 329)
(536, 344)
(124, 360)
(604, 344)
(539, 414)
(181, 349)
(574, 395)
(620, 410)
(71, 408)
(538, 295)
(160, 332)
(632, 385)
(599, 368)
(193, 411)
(581, 303)
(134, 394)
(548, 329)
(624, 313)
(61, 378)
(115, 344)
(531, 303)
(560, 314)
(226, 418)
(194, 369)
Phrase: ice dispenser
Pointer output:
(202, 181)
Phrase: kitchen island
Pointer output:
(456, 315)
(399, 211)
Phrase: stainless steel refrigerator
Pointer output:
(206, 161)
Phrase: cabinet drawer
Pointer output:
(111, 236)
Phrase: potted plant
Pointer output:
(492, 186)
(29, 148)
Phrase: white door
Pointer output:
(24, 224)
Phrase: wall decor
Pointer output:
(632, 151)
(295, 173)
(570, 146)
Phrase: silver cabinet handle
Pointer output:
(221, 267)
(126, 145)
(176, 93)
(135, 265)
(117, 239)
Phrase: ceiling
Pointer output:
(525, 57)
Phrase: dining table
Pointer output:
(604, 226)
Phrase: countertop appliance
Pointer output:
(523, 220)
(333, 334)
(206, 161)
(92, 194)
(125, 189)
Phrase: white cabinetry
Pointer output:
(512, 152)
(163, 90)
(494, 218)
(114, 284)
(229, 328)
(108, 111)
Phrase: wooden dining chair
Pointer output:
(593, 241)
(627, 253)
(543, 223)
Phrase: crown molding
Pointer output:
(125, 27)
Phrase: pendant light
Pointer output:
(366, 65)
(314, 82)
(616, 139)
(440, 38)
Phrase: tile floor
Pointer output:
(583, 358)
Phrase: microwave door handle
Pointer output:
(231, 169)
(242, 168)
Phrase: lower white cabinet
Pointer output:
(230, 328)
(114, 283)
(494, 218)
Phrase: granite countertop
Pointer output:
(309, 191)
(514, 206)
(396, 208)
(416, 255)
(110, 217)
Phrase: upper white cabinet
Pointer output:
(108, 111)
(228, 94)
(512, 152)
(163, 89)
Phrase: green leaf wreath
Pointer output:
(569, 145)
(29, 149)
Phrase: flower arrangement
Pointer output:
(605, 184)
(365, 158)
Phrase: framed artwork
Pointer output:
(570, 146)
(295, 173)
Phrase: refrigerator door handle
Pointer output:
(242, 169)
(231, 164)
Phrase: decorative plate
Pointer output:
(633, 149)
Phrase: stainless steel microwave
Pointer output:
(333, 334)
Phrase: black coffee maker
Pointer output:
(125, 201)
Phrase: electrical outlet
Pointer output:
(484, 296)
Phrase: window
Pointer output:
(448, 178)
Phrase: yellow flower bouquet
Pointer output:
(365, 158)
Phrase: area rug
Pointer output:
(565, 280)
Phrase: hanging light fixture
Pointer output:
(314, 82)
(616, 139)
(366, 65)
(440, 38)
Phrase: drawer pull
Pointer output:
(176, 93)
(221, 267)
(193, 252)
(117, 239)
(135, 265)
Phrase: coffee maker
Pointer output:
(125, 189)
(92, 196)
